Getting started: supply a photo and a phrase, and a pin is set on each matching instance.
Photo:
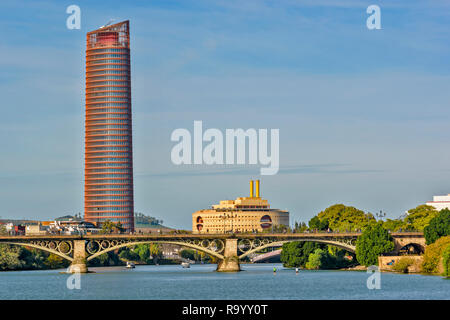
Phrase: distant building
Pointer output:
(108, 188)
(245, 214)
(440, 202)
(36, 230)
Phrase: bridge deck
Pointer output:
(203, 236)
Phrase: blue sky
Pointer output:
(363, 114)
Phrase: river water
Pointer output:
(257, 281)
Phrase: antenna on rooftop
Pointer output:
(108, 23)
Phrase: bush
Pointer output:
(403, 264)
(433, 254)
(446, 261)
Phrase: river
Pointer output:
(256, 281)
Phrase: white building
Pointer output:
(440, 202)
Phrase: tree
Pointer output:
(300, 227)
(394, 224)
(3, 230)
(296, 253)
(54, 261)
(187, 254)
(155, 251)
(439, 226)
(108, 227)
(143, 250)
(316, 259)
(316, 223)
(419, 217)
(375, 240)
(341, 217)
(9, 257)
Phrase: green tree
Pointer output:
(316, 223)
(296, 253)
(108, 227)
(394, 224)
(342, 218)
(187, 254)
(143, 250)
(300, 227)
(9, 257)
(54, 261)
(439, 226)
(155, 251)
(418, 218)
(375, 240)
(316, 260)
(3, 230)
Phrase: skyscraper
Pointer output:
(108, 188)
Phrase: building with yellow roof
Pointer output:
(245, 214)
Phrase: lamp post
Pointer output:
(381, 214)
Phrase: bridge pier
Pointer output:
(230, 263)
(79, 263)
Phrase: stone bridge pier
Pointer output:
(79, 263)
(230, 262)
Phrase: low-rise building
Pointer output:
(440, 202)
(36, 230)
(245, 214)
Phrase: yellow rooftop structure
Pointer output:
(245, 214)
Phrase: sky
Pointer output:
(363, 114)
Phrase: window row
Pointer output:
(109, 94)
(110, 170)
(108, 203)
(112, 175)
(109, 149)
(107, 61)
(124, 71)
(125, 192)
(107, 66)
(91, 57)
(99, 78)
(110, 183)
(108, 116)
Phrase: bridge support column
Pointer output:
(79, 263)
(230, 263)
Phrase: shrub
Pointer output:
(403, 264)
(433, 254)
(446, 261)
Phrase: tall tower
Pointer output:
(108, 171)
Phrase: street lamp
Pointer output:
(381, 214)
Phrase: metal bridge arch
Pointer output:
(181, 244)
(339, 244)
(62, 255)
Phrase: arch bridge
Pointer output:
(229, 249)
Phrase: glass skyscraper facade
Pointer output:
(108, 189)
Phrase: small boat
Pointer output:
(185, 264)
(130, 265)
